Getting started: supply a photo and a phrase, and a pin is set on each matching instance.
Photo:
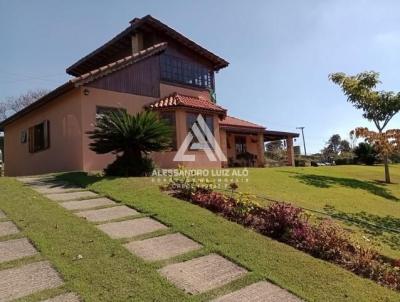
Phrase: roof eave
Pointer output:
(120, 64)
(237, 127)
(72, 69)
(221, 63)
(218, 62)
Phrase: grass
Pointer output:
(307, 277)
(108, 272)
(345, 192)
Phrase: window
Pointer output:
(177, 70)
(101, 110)
(169, 118)
(39, 137)
(191, 119)
(240, 144)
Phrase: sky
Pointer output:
(280, 52)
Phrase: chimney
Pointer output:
(137, 42)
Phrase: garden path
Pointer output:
(120, 222)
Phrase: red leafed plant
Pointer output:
(281, 219)
(325, 240)
(287, 223)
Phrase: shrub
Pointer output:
(129, 166)
(325, 240)
(243, 206)
(300, 162)
(132, 137)
(287, 223)
(281, 219)
(344, 161)
(214, 201)
(367, 263)
(366, 154)
(314, 163)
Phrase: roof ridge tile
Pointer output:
(105, 69)
(176, 99)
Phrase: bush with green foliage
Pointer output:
(366, 154)
(344, 161)
(131, 138)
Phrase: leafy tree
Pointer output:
(131, 138)
(366, 153)
(344, 146)
(275, 150)
(3, 111)
(17, 103)
(377, 106)
(334, 143)
(334, 146)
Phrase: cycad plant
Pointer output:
(131, 138)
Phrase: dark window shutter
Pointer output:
(31, 139)
(46, 134)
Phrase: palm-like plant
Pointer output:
(132, 138)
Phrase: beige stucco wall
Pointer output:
(99, 97)
(164, 159)
(201, 159)
(72, 115)
(64, 153)
(134, 104)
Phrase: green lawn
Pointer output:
(108, 272)
(310, 278)
(352, 192)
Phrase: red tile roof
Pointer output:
(106, 69)
(179, 100)
(230, 121)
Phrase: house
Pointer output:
(148, 66)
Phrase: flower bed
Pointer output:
(289, 224)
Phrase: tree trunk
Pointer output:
(387, 175)
(385, 160)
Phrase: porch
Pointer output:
(288, 138)
(244, 142)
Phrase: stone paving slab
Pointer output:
(70, 297)
(87, 204)
(131, 228)
(16, 249)
(163, 247)
(71, 195)
(35, 179)
(56, 188)
(28, 279)
(2, 215)
(259, 292)
(8, 228)
(107, 213)
(202, 274)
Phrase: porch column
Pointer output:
(261, 150)
(290, 151)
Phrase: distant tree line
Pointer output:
(342, 152)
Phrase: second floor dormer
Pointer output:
(181, 62)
